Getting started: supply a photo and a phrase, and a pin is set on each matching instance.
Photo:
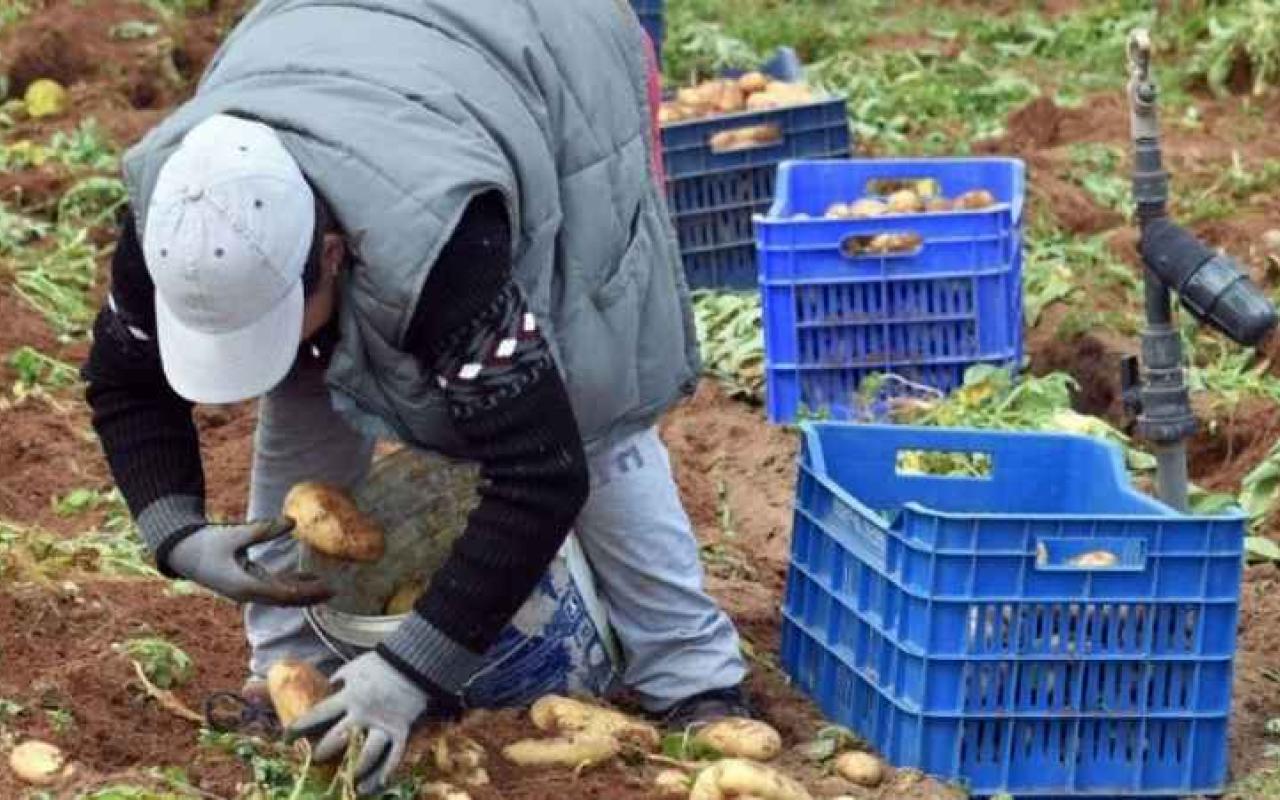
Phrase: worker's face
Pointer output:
(323, 301)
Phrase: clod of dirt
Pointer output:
(863, 769)
(50, 54)
(1035, 126)
(39, 763)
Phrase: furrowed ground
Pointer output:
(1040, 80)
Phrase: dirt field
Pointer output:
(735, 471)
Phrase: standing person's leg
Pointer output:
(676, 640)
(299, 438)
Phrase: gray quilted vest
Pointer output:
(400, 111)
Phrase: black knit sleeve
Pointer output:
(146, 429)
(473, 331)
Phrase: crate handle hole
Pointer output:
(898, 243)
(944, 464)
(749, 137)
(924, 187)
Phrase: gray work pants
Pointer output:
(675, 640)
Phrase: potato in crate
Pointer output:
(888, 266)
(1027, 623)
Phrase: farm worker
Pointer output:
(437, 222)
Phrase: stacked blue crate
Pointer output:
(835, 314)
(714, 195)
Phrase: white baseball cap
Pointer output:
(227, 235)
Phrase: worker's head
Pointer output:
(244, 257)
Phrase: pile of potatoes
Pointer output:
(909, 201)
(582, 734)
(577, 734)
(753, 91)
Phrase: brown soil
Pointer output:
(1256, 697)
(226, 440)
(1232, 443)
(735, 477)
(58, 656)
(1092, 358)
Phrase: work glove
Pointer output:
(216, 557)
(372, 696)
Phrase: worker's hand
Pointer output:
(373, 696)
(216, 557)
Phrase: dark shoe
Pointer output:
(249, 712)
(707, 707)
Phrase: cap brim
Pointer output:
(235, 366)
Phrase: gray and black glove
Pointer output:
(372, 696)
(216, 557)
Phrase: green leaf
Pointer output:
(818, 750)
(1261, 548)
(684, 747)
(1209, 503)
(77, 501)
(165, 664)
(10, 709)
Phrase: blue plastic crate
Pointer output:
(968, 627)
(834, 315)
(714, 196)
(652, 17)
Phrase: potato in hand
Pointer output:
(326, 519)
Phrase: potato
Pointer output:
(867, 207)
(738, 778)
(753, 82)
(442, 791)
(1271, 240)
(562, 715)
(326, 518)
(837, 211)
(975, 200)
(671, 783)
(402, 601)
(39, 763)
(579, 750)
(763, 134)
(295, 687)
(1095, 559)
(936, 204)
(741, 738)
(894, 243)
(670, 112)
(905, 201)
(863, 769)
(689, 96)
(457, 754)
(731, 99)
(763, 101)
(725, 140)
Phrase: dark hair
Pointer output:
(325, 223)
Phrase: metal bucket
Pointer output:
(559, 640)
